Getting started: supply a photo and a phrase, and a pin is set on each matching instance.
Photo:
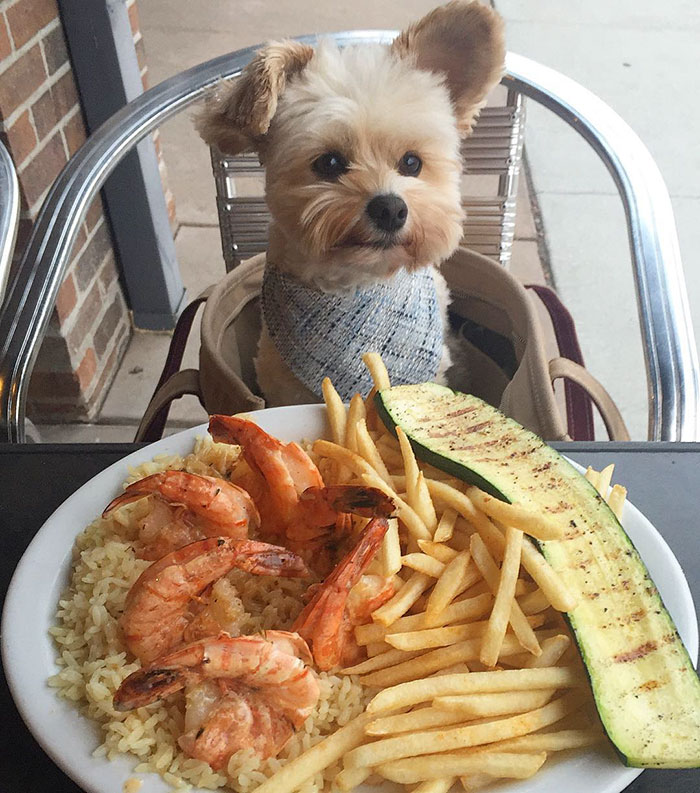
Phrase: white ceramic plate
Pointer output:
(69, 738)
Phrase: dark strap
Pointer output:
(173, 361)
(579, 406)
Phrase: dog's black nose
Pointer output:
(387, 212)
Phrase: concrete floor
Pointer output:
(635, 57)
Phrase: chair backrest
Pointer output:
(491, 156)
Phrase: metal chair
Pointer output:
(9, 216)
(669, 345)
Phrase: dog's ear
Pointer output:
(238, 115)
(464, 41)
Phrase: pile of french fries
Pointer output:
(475, 673)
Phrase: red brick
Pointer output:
(54, 385)
(74, 133)
(5, 44)
(19, 81)
(94, 213)
(21, 138)
(45, 114)
(27, 17)
(89, 310)
(64, 94)
(55, 50)
(86, 369)
(66, 299)
(134, 19)
(92, 257)
(42, 171)
(109, 323)
(108, 275)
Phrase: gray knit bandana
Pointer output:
(324, 335)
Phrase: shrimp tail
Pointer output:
(321, 621)
(261, 558)
(145, 686)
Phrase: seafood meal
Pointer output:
(272, 616)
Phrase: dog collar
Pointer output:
(324, 335)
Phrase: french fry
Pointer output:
(459, 611)
(450, 583)
(402, 601)
(592, 476)
(390, 550)
(604, 480)
(378, 662)
(489, 570)
(533, 602)
(335, 410)
(377, 648)
(380, 377)
(423, 719)
(443, 553)
(446, 525)
(350, 778)
(320, 756)
(495, 764)
(434, 660)
(416, 489)
(367, 449)
(423, 564)
(441, 785)
(504, 600)
(475, 781)
(616, 500)
(356, 411)
(552, 650)
(415, 691)
(421, 743)
(536, 524)
(549, 741)
(475, 706)
(443, 636)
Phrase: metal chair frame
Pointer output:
(666, 327)
(9, 216)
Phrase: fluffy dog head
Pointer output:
(361, 144)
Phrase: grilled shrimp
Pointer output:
(162, 603)
(187, 507)
(295, 508)
(244, 692)
(345, 599)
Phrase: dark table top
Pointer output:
(663, 481)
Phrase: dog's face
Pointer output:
(361, 145)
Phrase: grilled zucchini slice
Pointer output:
(645, 687)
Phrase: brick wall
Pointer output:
(42, 125)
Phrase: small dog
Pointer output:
(361, 153)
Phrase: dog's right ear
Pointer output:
(238, 115)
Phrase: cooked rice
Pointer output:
(93, 659)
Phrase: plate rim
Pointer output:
(22, 697)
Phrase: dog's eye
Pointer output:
(410, 164)
(330, 165)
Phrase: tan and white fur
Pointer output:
(373, 105)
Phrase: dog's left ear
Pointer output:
(464, 41)
(238, 115)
